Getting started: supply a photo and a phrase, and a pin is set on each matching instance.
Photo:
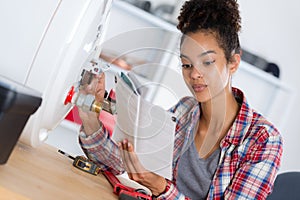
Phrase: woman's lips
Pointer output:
(199, 87)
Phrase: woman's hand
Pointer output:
(137, 172)
(90, 120)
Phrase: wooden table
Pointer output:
(43, 173)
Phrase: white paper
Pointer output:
(148, 127)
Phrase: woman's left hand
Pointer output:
(137, 172)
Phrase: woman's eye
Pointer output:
(186, 66)
(207, 63)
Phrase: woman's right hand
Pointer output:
(90, 120)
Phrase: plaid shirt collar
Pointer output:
(242, 122)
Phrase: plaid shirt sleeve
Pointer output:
(102, 150)
(255, 177)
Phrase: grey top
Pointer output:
(195, 174)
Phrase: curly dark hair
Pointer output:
(220, 17)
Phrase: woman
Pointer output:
(223, 148)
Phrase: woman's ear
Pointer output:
(234, 63)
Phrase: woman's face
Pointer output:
(204, 66)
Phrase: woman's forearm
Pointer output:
(102, 150)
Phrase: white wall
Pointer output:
(271, 29)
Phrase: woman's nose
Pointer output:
(196, 73)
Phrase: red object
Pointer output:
(120, 189)
(112, 95)
(69, 96)
(125, 194)
(106, 118)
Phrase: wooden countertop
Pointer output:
(43, 173)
